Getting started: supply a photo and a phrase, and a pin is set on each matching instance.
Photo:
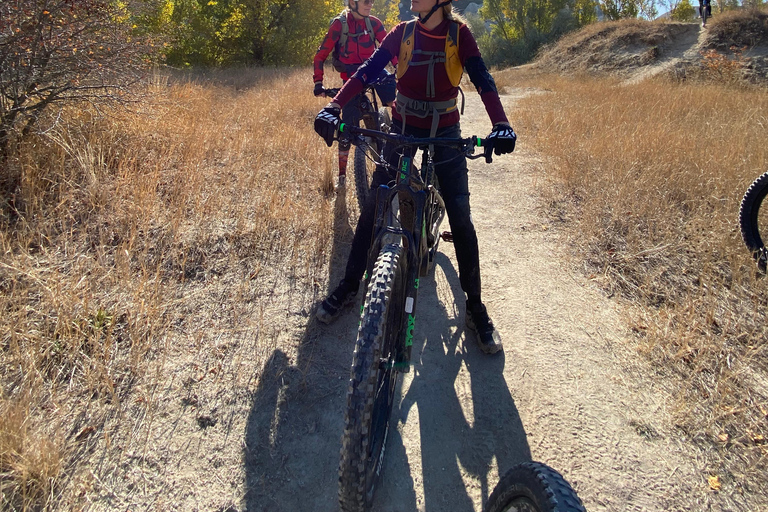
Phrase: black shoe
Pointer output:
(334, 304)
(487, 336)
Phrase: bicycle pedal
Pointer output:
(447, 236)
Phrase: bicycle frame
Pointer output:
(401, 215)
(366, 99)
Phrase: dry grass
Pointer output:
(650, 177)
(122, 215)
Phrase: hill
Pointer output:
(734, 46)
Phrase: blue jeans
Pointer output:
(451, 173)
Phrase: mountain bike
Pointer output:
(752, 220)
(372, 117)
(405, 239)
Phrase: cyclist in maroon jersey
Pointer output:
(432, 53)
(351, 39)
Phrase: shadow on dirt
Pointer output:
(456, 402)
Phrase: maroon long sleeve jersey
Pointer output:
(413, 82)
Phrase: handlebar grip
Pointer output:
(330, 93)
(487, 150)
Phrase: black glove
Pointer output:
(501, 140)
(319, 89)
(327, 123)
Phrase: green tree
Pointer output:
(53, 51)
(683, 11)
(620, 9)
(223, 32)
(388, 12)
(520, 27)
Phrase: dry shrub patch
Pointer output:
(650, 177)
(126, 219)
(615, 46)
(738, 27)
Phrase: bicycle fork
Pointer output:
(398, 211)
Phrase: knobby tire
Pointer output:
(750, 221)
(364, 156)
(372, 382)
(533, 487)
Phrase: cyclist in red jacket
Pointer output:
(352, 37)
(432, 53)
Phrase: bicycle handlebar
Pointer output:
(330, 93)
(466, 145)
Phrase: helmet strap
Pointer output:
(435, 7)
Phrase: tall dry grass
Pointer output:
(123, 211)
(650, 177)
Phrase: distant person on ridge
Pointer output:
(705, 11)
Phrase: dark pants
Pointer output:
(351, 114)
(451, 173)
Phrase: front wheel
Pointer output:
(752, 221)
(533, 487)
(365, 155)
(372, 382)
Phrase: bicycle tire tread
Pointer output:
(748, 219)
(360, 393)
(537, 482)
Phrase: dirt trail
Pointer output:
(566, 390)
(684, 48)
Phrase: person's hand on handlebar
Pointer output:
(327, 122)
(319, 89)
(500, 141)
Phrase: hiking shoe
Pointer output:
(334, 304)
(488, 338)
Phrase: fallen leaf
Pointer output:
(714, 482)
(84, 433)
(723, 437)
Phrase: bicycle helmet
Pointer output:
(353, 6)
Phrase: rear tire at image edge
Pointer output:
(533, 487)
(749, 220)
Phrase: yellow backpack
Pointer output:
(451, 56)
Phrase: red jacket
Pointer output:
(357, 49)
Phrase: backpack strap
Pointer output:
(451, 58)
(406, 48)
(344, 29)
(369, 28)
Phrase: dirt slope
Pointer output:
(635, 49)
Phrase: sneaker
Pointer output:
(488, 338)
(334, 304)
